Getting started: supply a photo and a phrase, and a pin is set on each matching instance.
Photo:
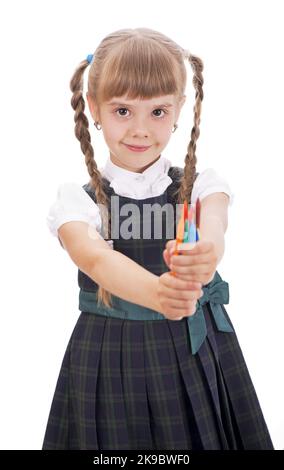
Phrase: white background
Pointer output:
(240, 43)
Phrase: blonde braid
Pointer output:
(83, 135)
(188, 178)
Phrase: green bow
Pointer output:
(216, 293)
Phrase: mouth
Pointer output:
(137, 148)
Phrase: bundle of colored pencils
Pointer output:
(188, 229)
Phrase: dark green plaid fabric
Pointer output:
(135, 384)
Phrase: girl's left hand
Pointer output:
(198, 264)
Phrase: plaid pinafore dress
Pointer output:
(132, 379)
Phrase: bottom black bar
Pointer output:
(128, 459)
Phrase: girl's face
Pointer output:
(139, 123)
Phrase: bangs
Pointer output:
(139, 69)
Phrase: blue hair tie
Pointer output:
(90, 58)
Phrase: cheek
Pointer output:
(112, 134)
(166, 135)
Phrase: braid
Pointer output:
(83, 135)
(190, 158)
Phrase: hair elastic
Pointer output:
(89, 58)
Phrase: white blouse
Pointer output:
(73, 203)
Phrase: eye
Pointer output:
(160, 109)
(119, 109)
(125, 109)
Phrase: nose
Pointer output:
(139, 128)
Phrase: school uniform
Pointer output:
(132, 379)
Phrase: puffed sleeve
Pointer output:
(208, 182)
(72, 204)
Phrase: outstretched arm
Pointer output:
(123, 277)
(107, 267)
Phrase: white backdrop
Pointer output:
(241, 138)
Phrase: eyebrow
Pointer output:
(158, 105)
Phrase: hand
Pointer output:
(177, 298)
(198, 264)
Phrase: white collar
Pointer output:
(150, 183)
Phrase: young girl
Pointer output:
(153, 361)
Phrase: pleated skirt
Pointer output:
(135, 384)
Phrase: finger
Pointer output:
(188, 296)
(166, 257)
(186, 257)
(185, 260)
(202, 246)
(179, 284)
(202, 278)
(174, 310)
(184, 295)
(199, 269)
(181, 312)
(170, 245)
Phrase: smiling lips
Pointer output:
(137, 148)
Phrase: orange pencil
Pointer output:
(180, 231)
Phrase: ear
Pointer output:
(92, 107)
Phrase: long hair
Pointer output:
(140, 63)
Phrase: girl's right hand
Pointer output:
(177, 297)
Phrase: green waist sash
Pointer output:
(216, 293)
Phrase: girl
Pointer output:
(153, 361)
